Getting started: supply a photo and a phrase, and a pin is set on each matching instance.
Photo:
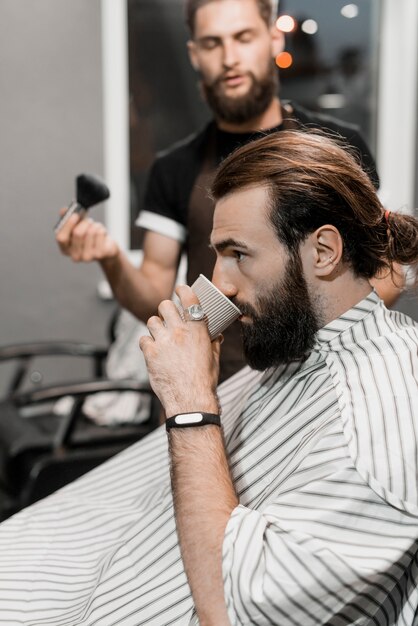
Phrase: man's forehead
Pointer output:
(242, 215)
(242, 14)
(255, 197)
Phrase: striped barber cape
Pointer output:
(324, 458)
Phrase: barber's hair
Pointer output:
(314, 180)
(192, 6)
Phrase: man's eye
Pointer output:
(209, 44)
(245, 37)
(238, 255)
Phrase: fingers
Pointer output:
(181, 360)
(85, 240)
(186, 295)
(82, 240)
(169, 316)
(145, 343)
(155, 325)
(168, 311)
(99, 242)
(188, 298)
(64, 235)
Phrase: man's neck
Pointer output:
(270, 118)
(342, 294)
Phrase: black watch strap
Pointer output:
(187, 420)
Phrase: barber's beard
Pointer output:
(283, 324)
(244, 108)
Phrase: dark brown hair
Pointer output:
(314, 179)
(192, 6)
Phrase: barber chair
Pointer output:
(41, 451)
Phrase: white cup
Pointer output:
(220, 312)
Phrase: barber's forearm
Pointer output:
(204, 498)
(133, 291)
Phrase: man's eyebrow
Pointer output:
(220, 246)
(217, 38)
(207, 38)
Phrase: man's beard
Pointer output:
(284, 325)
(245, 108)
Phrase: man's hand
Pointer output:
(183, 363)
(83, 239)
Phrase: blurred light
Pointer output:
(350, 11)
(332, 101)
(285, 23)
(310, 27)
(284, 60)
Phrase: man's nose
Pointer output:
(222, 282)
(230, 54)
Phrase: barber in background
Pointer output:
(233, 46)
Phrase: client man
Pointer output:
(295, 499)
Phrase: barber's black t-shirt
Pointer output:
(175, 170)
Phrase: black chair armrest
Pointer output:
(23, 353)
(51, 348)
(78, 390)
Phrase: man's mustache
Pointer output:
(224, 76)
(245, 308)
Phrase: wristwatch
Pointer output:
(186, 420)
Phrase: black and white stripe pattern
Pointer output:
(324, 458)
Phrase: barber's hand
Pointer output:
(83, 239)
(183, 363)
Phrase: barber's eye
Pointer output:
(209, 44)
(246, 37)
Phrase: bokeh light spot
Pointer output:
(310, 27)
(284, 60)
(349, 11)
(285, 23)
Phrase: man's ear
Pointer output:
(327, 247)
(191, 49)
(277, 41)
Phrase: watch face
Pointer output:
(188, 418)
